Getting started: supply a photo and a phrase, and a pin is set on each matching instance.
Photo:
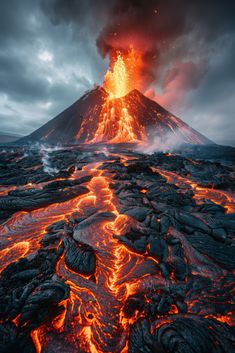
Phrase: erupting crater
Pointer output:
(116, 113)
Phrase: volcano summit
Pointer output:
(116, 113)
(97, 118)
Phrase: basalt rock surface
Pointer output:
(106, 249)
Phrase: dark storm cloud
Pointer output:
(17, 80)
(43, 67)
(79, 12)
(48, 56)
(212, 104)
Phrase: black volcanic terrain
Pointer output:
(105, 249)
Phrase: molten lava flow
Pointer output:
(94, 308)
(97, 306)
(36, 340)
(223, 198)
(11, 253)
(116, 124)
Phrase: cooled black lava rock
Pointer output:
(39, 198)
(158, 248)
(12, 341)
(139, 167)
(196, 335)
(61, 184)
(139, 213)
(79, 257)
(182, 335)
(222, 254)
(132, 304)
(56, 227)
(137, 244)
(42, 304)
(19, 280)
(140, 339)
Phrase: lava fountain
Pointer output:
(116, 123)
(124, 74)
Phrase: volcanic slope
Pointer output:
(95, 118)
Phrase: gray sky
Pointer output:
(49, 57)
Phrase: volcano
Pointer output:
(97, 118)
(107, 249)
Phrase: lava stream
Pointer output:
(32, 226)
(223, 198)
(116, 124)
(94, 308)
(104, 325)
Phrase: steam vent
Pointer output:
(106, 248)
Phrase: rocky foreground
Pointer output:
(110, 250)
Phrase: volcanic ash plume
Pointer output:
(145, 27)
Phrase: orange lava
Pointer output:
(121, 117)
(220, 197)
(13, 253)
(116, 123)
(35, 335)
(227, 319)
(96, 307)
(4, 190)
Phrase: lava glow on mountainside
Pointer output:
(117, 112)
(116, 124)
(126, 115)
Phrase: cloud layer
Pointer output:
(50, 54)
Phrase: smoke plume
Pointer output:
(45, 153)
(171, 36)
(166, 143)
(148, 27)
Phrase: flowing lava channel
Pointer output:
(219, 197)
(93, 310)
(104, 298)
(116, 124)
